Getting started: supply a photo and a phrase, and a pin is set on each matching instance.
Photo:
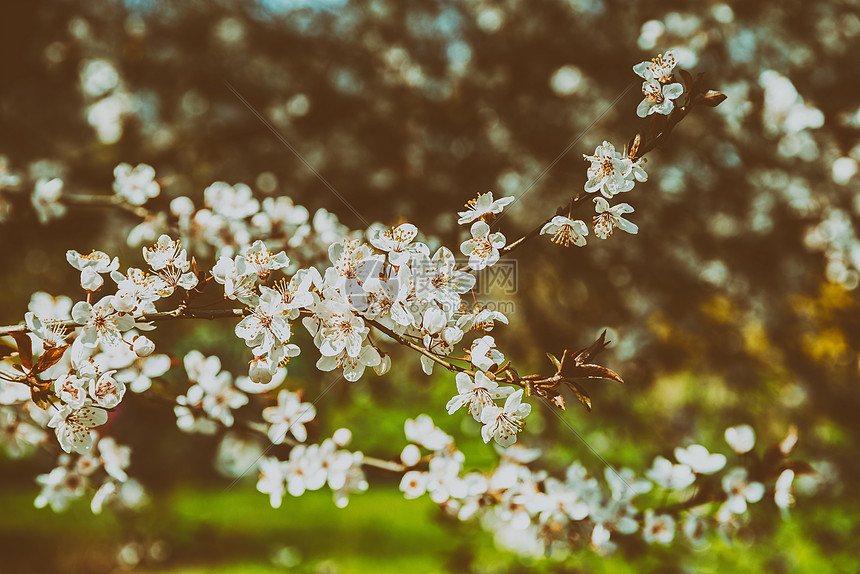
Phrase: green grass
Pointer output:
(235, 530)
(225, 531)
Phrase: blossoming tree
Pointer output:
(70, 364)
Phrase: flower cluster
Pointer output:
(534, 513)
(102, 470)
(611, 172)
(310, 467)
(658, 89)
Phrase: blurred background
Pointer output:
(734, 304)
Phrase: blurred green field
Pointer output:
(235, 531)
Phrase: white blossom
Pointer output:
(699, 459)
(482, 207)
(565, 231)
(741, 438)
(483, 248)
(671, 476)
(658, 98)
(102, 324)
(478, 394)
(610, 172)
(422, 431)
(658, 528)
(46, 199)
(73, 427)
(484, 353)
(137, 184)
(740, 490)
(657, 69)
(503, 424)
(288, 416)
(608, 218)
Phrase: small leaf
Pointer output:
(687, 77)
(595, 372)
(580, 393)
(713, 98)
(49, 358)
(554, 360)
(583, 355)
(25, 348)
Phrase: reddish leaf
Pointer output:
(40, 397)
(25, 348)
(583, 355)
(713, 98)
(594, 372)
(576, 366)
(49, 358)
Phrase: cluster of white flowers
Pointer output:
(102, 470)
(310, 467)
(232, 219)
(79, 358)
(532, 512)
(611, 172)
(136, 185)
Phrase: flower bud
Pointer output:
(143, 346)
(410, 455)
(259, 372)
(123, 301)
(341, 437)
(384, 365)
(182, 206)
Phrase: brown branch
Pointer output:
(96, 200)
(406, 343)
